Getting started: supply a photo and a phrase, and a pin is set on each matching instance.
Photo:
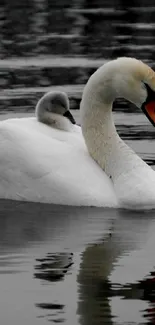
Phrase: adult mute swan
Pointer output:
(50, 163)
(133, 179)
(44, 159)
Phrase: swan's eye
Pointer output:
(148, 106)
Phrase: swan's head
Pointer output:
(53, 109)
(124, 77)
(136, 81)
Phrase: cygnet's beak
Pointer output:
(148, 106)
(69, 116)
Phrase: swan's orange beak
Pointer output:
(149, 110)
(149, 106)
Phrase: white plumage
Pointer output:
(51, 163)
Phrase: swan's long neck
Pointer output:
(102, 140)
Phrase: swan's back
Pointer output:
(39, 163)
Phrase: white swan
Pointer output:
(42, 163)
(50, 163)
(133, 179)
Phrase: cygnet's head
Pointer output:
(53, 109)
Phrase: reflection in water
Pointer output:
(56, 312)
(93, 306)
(148, 286)
(108, 278)
(54, 266)
(98, 262)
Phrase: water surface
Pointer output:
(74, 265)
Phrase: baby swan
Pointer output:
(53, 109)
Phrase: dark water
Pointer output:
(45, 44)
(68, 265)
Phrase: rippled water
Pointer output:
(75, 265)
(62, 42)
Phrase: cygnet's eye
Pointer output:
(58, 102)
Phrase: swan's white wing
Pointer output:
(39, 163)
